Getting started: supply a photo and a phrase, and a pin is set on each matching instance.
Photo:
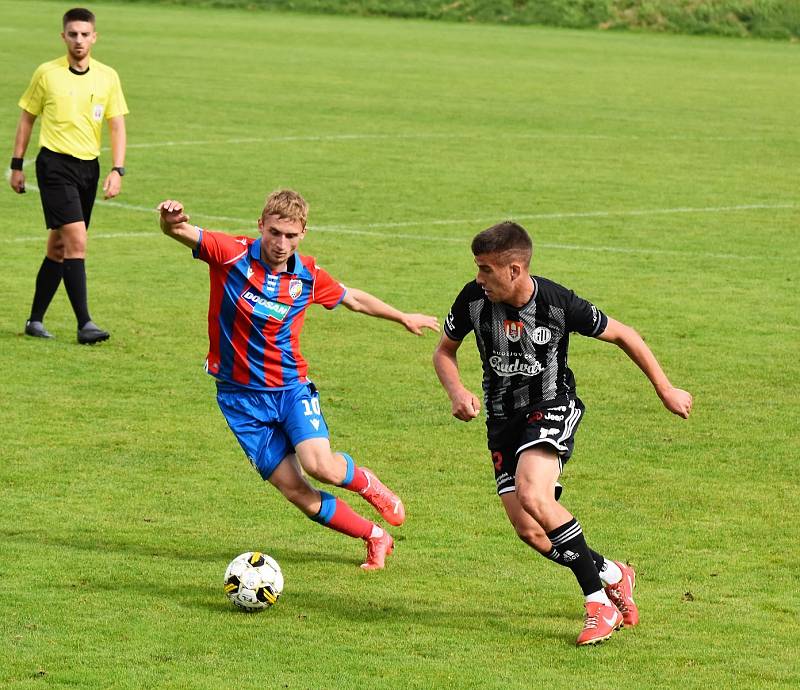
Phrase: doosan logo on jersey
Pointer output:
(259, 300)
(275, 309)
(502, 368)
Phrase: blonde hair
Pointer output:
(286, 204)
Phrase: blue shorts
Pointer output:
(269, 424)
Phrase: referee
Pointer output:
(73, 94)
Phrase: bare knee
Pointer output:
(74, 250)
(320, 465)
(534, 536)
(289, 480)
(300, 494)
(536, 500)
(73, 240)
(55, 250)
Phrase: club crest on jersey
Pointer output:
(295, 288)
(513, 330)
(541, 335)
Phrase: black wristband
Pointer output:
(16, 163)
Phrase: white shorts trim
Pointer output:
(552, 442)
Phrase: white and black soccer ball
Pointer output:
(253, 581)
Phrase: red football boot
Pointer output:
(383, 500)
(600, 622)
(621, 595)
(378, 548)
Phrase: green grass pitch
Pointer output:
(658, 176)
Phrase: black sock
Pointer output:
(557, 557)
(47, 281)
(599, 560)
(75, 283)
(569, 542)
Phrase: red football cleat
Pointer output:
(378, 548)
(600, 622)
(621, 595)
(383, 500)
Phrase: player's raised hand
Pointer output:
(174, 224)
(677, 401)
(172, 213)
(465, 405)
(414, 323)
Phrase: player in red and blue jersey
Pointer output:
(260, 290)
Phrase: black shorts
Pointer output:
(509, 438)
(67, 187)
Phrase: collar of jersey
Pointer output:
(291, 264)
(65, 62)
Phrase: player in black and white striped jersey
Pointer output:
(522, 325)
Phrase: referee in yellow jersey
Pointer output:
(73, 94)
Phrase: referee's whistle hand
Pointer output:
(112, 185)
(17, 181)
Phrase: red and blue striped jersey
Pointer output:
(255, 316)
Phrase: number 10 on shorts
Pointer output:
(311, 407)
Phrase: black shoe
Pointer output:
(37, 330)
(91, 333)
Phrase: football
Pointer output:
(253, 581)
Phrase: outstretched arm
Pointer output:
(677, 401)
(465, 405)
(363, 302)
(174, 223)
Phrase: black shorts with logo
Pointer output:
(554, 425)
(67, 187)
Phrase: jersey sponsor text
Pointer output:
(507, 368)
(266, 308)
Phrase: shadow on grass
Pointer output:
(216, 552)
(305, 598)
(305, 605)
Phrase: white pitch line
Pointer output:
(350, 230)
(470, 221)
(454, 240)
(358, 229)
(576, 215)
(365, 136)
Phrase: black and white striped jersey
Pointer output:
(524, 350)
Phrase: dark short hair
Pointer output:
(78, 14)
(506, 238)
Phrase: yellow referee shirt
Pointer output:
(73, 106)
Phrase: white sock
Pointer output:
(378, 532)
(610, 573)
(599, 596)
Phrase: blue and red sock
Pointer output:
(354, 478)
(336, 514)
